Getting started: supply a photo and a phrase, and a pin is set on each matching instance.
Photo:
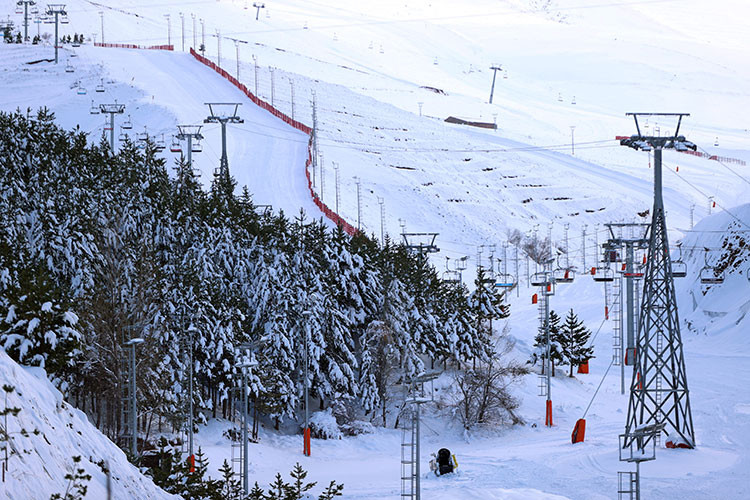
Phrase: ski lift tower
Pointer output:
(410, 440)
(25, 4)
(54, 11)
(638, 241)
(188, 133)
(223, 113)
(545, 280)
(659, 391)
(112, 110)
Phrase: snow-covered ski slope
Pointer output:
(469, 185)
(41, 460)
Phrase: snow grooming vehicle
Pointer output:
(444, 462)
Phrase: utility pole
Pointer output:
(255, 63)
(218, 48)
(132, 343)
(112, 110)
(246, 368)
(169, 29)
(291, 85)
(223, 113)
(182, 30)
(188, 133)
(101, 16)
(203, 37)
(195, 35)
(659, 392)
(359, 203)
(306, 347)
(314, 136)
(237, 56)
(572, 140)
(338, 193)
(56, 10)
(270, 68)
(381, 201)
(322, 178)
(25, 4)
(495, 68)
(258, 6)
(583, 246)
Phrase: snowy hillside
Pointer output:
(40, 460)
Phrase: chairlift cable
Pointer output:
(599, 387)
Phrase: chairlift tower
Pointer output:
(629, 274)
(223, 113)
(410, 440)
(659, 391)
(188, 133)
(112, 110)
(246, 366)
(545, 280)
(495, 68)
(56, 10)
(25, 4)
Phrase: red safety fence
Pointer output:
(133, 46)
(724, 159)
(336, 218)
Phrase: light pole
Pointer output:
(132, 343)
(495, 68)
(258, 6)
(306, 432)
(169, 29)
(246, 367)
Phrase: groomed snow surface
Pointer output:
(368, 65)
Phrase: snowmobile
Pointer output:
(444, 462)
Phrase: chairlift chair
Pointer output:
(539, 279)
(679, 268)
(197, 146)
(19, 10)
(127, 124)
(603, 274)
(160, 144)
(123, 136)
(708, 273)
(81, 89)
(64, 19)
(451, 277)
(100, 87)
(176, 147)
(565, 275)
(69, 68)
(94, 110)
(505, 281)
(611, 252)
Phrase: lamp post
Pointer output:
(132, 343)
(306, 432)
(246, 367)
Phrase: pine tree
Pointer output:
(540, 344)
(573, 339)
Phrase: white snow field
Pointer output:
(44, 458)
(369, 64)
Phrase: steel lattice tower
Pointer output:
(659, 390)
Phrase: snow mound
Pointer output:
(41, 459)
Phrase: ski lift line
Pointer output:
(591, 343)
(727, 167)
(708, 197)
(598, 387)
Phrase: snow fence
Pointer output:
(333, 216)
(133, 46)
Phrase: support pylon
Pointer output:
(659, 392)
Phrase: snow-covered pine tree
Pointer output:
(540, 344)
(573, 339)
